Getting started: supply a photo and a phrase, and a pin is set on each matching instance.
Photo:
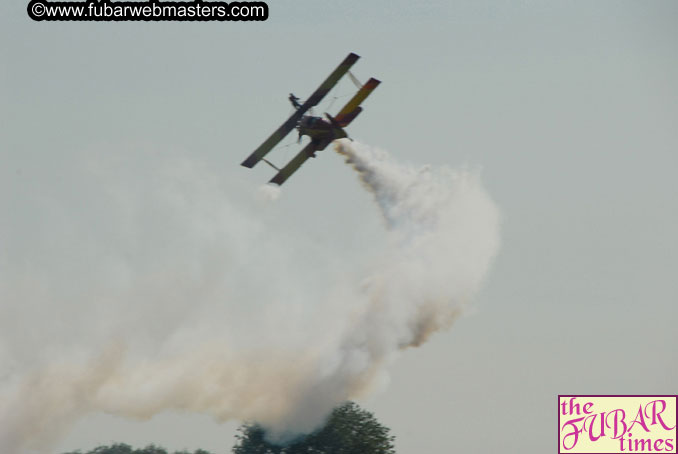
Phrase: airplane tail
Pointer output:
(337, 128)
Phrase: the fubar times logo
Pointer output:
(590, 424)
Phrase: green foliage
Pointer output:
(121, 448)
(348, 430)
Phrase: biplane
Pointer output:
(321, 131)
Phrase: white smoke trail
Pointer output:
(444, 230)
(269, 192)
(155, 294)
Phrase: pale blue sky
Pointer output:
(570, 108)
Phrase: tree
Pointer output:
(348, 430)
(121, 448)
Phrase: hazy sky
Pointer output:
(569, 108)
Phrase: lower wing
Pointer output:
(294, 164)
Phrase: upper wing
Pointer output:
(313, 100)
(352, 108)
(294, 164)
(331, 80)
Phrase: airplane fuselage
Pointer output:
(322, 131)
(319, 129)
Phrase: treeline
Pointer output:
(121, 448)
(349, 429)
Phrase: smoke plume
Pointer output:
(157, 293)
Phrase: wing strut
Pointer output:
(270, 164)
